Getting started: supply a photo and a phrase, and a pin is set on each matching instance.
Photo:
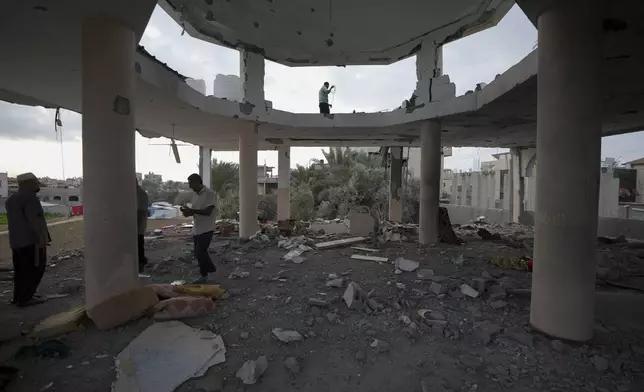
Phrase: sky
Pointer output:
(28, 132)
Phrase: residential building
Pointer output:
(638, 165)
(266, 181)
(4, 185)
(154, 178)
(75, 182)
(61, 195)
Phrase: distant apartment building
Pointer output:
(638, 165)
(266, 181)
(154, 178)
(75, 182)
(59, 195)
(4, 185)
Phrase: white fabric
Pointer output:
(203, 223)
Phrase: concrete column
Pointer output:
(515, 186)
(252, 78)
(395, 185)
(568, 152)
(108, 160)
(284, 183)
(205, 166)
(248, 181)
(430, 164)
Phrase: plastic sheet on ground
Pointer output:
(164, 356)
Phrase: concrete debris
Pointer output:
(338, 243)
(496, 292)
(425, 274)
(600, 363)
(458, 260)
(332, 317)
(164, 356)
(520, 335)
(469, 291)
(498, 304)
(406, 265)
(287, 336)
(374, 305)
(354, 296)
(244, 335)
(401, 286)
(405, 319)
(238, 274)
(558, 345)
(370, 258)
(361, 249)
(398, 271)
(479, 284)
(258, 265)
(251, 371)
(380, 346)
(292, 365)
(294, 255)
(338, 282)
(471, 361)
(320, 303)
(433, 384)
(360, 356)
(437, 288)
(487, 331)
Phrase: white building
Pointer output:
(154, 178)
(4, 185)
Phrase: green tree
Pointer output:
(225, 177)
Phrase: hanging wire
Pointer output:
(58, 128)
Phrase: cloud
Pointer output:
(36, 123)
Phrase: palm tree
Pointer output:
(225, 176)
(339, 155)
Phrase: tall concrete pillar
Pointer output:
(248, 181)
(430, 164)
(515, 186)
(568, 152)
(109, 193)
(395, 185)
(284, 183)
(205, 166)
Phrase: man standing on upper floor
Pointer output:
(203, 212)
(29, 238)
(141, 222)
(323, 96)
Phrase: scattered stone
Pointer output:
(437, 316)
(487, 331)
(244, 335)
(436, 288)
(238, 274)
(406, 265)
(405, 319)
(373, 304)
(425, 274)
(487, 275)
(397, 271)
(479, 284)
(458, 260)
(292, 365)
(497, 292)
(410, 333)
(353, 296)
(558, 345)
(498, 304)
(320, 303)
(287, 336)
(311, 334)
(258, 265)
(401, 286)
(251, 371)
(616, 365)
(338, 282)
(469, 291)
(433, 384)
(456, 294)
(600, 363)
(471, 361)
(360, 356)
(380, 345)
(332, 317)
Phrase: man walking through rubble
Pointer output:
(202, 210)
(29, 238)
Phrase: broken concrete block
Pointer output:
(496, 292)
(406, 265)
(600, 363)
(122, 308)
(500, 304)
(353, 296)
(251, 371)
(292, 365)
(287, 336)
(479, 284)
(425, 274)
(320, 303)
(437, 288)
(469, 291)
(60, 323)
(380, 345)
(338, 282)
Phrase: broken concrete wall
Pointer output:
(465, 214)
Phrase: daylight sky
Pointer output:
(28, 139)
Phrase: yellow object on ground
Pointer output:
(200, 290)
(60, 323)
(516, 263)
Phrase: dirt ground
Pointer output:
(485, 344)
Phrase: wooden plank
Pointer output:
(370, 250)
(338, 243)
(370, 258)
